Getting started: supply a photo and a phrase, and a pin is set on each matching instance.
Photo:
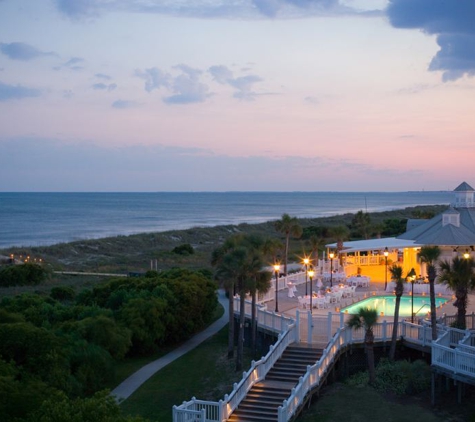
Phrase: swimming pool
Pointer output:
(386, 305)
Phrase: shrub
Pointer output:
(22, 275)
(62, 293)
(185, 249)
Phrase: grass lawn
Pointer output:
(204, 373)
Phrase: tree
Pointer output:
(290, 227)
(429, 255)
(315, 243)
(459, 276)
(366, 318)
(361, 224)
(340, 234)
(396, 275)
(262, 284)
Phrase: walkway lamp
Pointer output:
(466, 254)
(276, 270)
(311, 274)
(306, 261)
(386, 253)
(331, 255)
(412, 276)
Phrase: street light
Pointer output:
(412, 276)
(332, 255)
(310, 274)
(386, 253)
(306, 261)
(276, 269)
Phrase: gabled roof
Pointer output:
(432, 232)
(464, 187)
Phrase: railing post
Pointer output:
(309, 327)
(297, 326)
(384, 330)
(342, 319)
(329, 326)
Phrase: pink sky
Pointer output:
(266, 95)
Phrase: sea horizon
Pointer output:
(47, 218)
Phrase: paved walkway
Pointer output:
(128, 387)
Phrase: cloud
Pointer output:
(154, 78)
(106, 87)
(83, 9)
(74, 63)
(103, 76)
(22, 51)
(186, 87)
(18, 92)
(243, 84)
(453, 24)
(80, 10)
(312, 100)
(122, 104)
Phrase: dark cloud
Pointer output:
(121, 104)
(23, 51)
(81, 10)
(454, 24)
(16, 92)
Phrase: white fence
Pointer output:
(453, 350)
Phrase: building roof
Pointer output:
(464, 187)
(375, 244)
(432, 232)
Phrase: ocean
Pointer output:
(39, 219)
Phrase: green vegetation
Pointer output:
(27, 274)
(205, 372)
(67, 348)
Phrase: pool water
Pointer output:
(386, 304)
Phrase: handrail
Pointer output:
(459, 360)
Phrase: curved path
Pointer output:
(128, 386)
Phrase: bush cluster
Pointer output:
(399, 377)
(27, 274)
(66, 346)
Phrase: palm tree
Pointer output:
(430, 255)
(362, 224)
(367, 318)
(315, 243)
(340, 234)
(459, 276)
(271, 248)
(261, 284)
(289, 226)
(396, 275)
(239, 264)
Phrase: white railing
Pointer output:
(460, 359)
(220, 411)
(282, 283)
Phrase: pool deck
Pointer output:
(289, 306)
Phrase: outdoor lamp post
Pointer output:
(306, 261)
(466, 254)
(331, 255)
(276, 269)
(310, 274)
(386, 253)
(412, 277)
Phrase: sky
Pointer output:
(236, 95)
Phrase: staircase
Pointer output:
(263, 400)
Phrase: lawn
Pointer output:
(204, 373)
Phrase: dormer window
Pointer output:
(451, 217)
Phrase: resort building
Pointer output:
(453, 231)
